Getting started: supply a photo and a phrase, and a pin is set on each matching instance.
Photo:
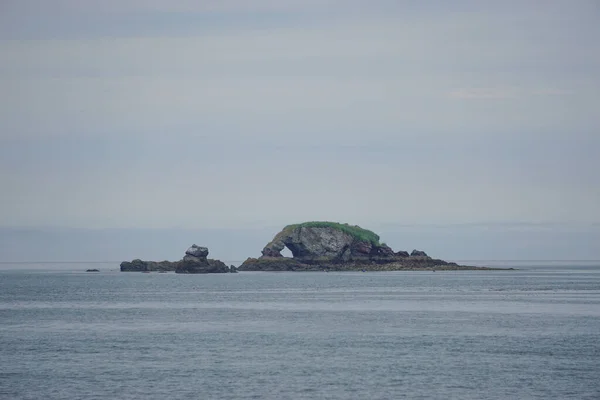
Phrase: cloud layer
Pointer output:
(221, 114)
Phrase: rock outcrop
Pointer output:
(326, 241)
(194, 261)
(332, 246)
(201, 267)
(138, 265)
(197, 251)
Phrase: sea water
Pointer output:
(533, 333)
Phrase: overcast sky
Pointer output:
(235, 114)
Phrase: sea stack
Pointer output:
(194, 261)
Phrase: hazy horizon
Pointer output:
(452, 243)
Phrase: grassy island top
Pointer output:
(353, 230)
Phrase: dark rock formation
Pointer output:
(384, 251)
(318, 246)
(326, 241)
(138, 265)
(194, 262)
(92, 270)
(361, 248)
(276, 264)
(271, 252)
(310, 243)
(197, 251)
(204, 266)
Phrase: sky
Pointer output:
(468, 124)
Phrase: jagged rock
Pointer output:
(187, 257)
(194, 262)
(197, 251)
(322, 240)
(284, 264)
(315, 246)
(204, 266)
(362, 248)
(383, 251)
(188, 266)
(329, 246)
(271, 252)
(138, 265)
(276, 264)
(310, 243)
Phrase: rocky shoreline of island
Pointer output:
(331, 246)
(315, 246)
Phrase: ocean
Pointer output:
(532, 333)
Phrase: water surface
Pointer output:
(531, 333)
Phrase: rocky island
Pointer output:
(332, 246)
(194, 261)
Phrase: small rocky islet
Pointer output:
(315, 246)
(194, 261)
(331, 246)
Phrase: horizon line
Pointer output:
(461, 260)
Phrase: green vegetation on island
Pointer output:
(355, 231)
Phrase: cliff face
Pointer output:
(326, 240)
(311, 243)
(333, 246)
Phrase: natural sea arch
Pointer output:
(286, 252)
